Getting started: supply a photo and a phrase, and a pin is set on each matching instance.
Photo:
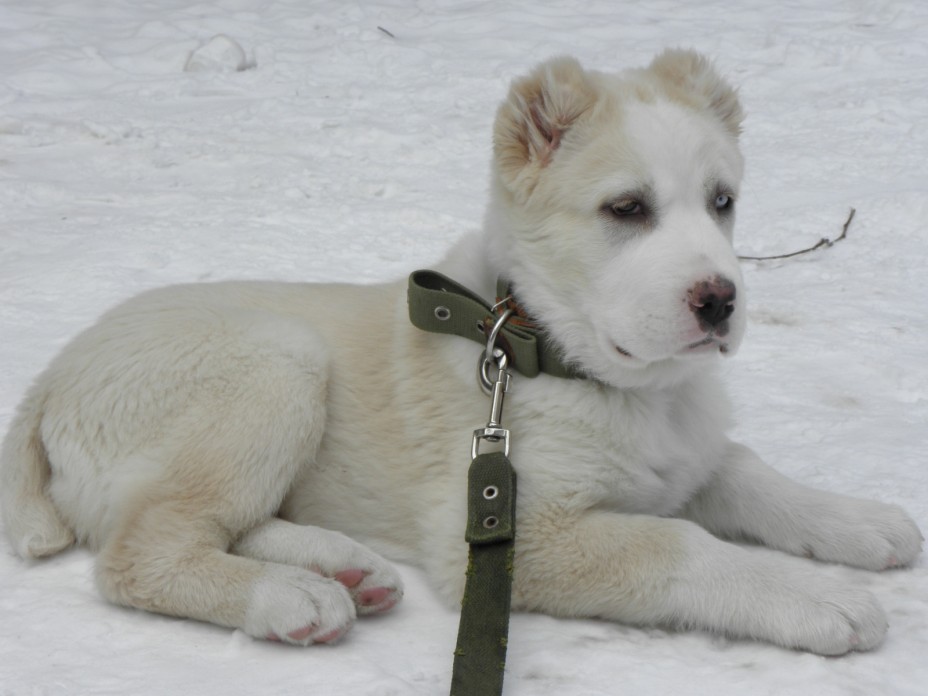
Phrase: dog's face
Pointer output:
(613, 211)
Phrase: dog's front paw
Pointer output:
(862, 533)
(831, 620)
(796, 605)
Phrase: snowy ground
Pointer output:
(344, 153)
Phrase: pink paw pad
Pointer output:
(373, 596)
(389, 604)
(301, 633)
(351, 577)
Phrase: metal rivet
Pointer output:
(442, 313)
(490, 522)
(481, 328)
(490, 492)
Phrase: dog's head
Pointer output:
(612, 213)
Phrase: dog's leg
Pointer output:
(648, 570)
(168, 552)
(748, 500)
(373, 584)
(169, 557)
(248, 413)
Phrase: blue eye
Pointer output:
(723, 201)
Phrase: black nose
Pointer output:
(712, 301)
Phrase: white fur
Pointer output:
(185, 432)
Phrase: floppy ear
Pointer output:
(540, 108)
(694, 75)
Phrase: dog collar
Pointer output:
(441, 305)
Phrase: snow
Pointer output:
(309, 144)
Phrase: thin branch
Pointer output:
(823, 242)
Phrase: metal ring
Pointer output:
(442, 313)
(501, 303)
(494, 332)
(490, 492)
(491, 522)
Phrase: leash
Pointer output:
(512, 339)
(483, 632)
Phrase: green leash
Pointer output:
(480, 655)
(439, 304)
(483, 633)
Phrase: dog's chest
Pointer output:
(632, 452)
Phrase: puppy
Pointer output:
(236, 451)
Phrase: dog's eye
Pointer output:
(626, 207)
(723, 201)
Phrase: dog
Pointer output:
(241, 453)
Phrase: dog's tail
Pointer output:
(32, 524)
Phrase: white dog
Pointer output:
(209, 439)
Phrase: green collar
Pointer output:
(440, 305)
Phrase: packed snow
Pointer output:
(149, 143)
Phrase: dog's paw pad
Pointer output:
(373, 596)
(369, 600)
(301, 634)
(377, 599)
(372, 583)
(351, 577)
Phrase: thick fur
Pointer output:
(216, 443)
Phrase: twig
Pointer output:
(823, 242)
(388, 33)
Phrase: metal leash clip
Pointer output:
(494, 388)
(492, 352)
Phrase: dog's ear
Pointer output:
(694, 75)
(540, 108)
